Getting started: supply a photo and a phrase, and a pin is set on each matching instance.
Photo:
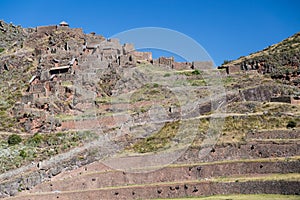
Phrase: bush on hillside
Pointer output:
(14, 139)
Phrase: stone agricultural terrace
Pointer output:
(80, 102)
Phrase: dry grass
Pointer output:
(157, 141)
(244, 197)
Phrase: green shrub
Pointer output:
(226, 62)
(196, 72)
(291, 124)
(35, 140)
(1, 50)
(14, 139)
(23, 153)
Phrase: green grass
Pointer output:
(155, 94)
(236, 127)
(10, 93)
(246, 123)
(234, 130)
(67, 83)
(244, 81)
(103, 100)
(190, 72)
(265, 177)
(148, 92)
(228, 80)
(39, 147)
(255, 106)
(197, 82)
(157, 141)
(243, 197)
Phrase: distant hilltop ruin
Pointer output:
(61, 54)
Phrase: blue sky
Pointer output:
(227, 29)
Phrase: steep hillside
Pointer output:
(281, 61)
(11, 36)
(284, 53)
(84, 117)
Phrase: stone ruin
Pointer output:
(79, 60)
(67, 57)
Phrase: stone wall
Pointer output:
(282, 99)
(186, 173)
(261, 93)
(251, 150)
(182, 65)
(166, 61)
(177, 190)
(243, 151)
(127, 60)
(27, 98)
(46, 29)
(37, 88)
(127, 48)
(168, 174)
(295, 100)
(143, 56)
(203, 65)
(274, 134)
(234, 69)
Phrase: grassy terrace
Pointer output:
(39, 147)
(245, 81)
(255, 107)
(267, 177)
(234, 130)
(279, 159)
(263, 116)
(157, 140)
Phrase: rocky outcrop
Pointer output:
(11, 36)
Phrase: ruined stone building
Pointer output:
(69, 63)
